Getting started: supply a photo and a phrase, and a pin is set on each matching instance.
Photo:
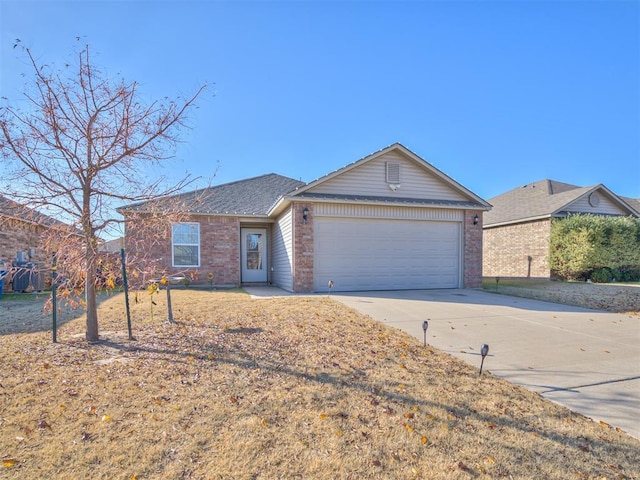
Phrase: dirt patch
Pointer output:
(609, 297)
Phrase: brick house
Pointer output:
(20, 235)
(516, 232)
(387, 221)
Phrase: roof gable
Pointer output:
(548, 198)
(412, 180)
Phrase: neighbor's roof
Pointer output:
(251, 197)
(634, 202)
(541, 199)
(15, 210)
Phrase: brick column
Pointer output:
(472, 276)
(302, 248)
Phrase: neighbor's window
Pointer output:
(186, 244)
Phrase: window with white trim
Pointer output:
(185, 248)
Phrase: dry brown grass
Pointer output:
(611, 297)
(278, 388)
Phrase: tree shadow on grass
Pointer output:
(25, 313)
(458, 413)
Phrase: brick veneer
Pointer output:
(219, 249)
(472, 275)
(507, 250)
(18, 237)
(302, 249)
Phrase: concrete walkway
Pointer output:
(586, 360)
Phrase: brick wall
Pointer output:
(18, 237)
(472, 275)
(519, 250)
(219, 249)
(302, 249)
(220, 244)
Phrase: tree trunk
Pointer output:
(90, 298)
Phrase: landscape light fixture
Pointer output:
(484, 350)
(425, 325)
(305, 215)
(476, 219)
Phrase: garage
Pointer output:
(386, 254)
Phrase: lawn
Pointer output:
(297, 387)
(612, 297)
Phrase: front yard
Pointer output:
(298, 387)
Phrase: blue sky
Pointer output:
(494, 94)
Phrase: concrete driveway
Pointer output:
(586, 360)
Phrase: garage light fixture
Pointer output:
(305, 215)
(476, 219)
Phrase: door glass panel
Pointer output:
(254, 251)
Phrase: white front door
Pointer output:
(253, 251)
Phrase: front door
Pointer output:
(253, 254)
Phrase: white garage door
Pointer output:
(375, 254)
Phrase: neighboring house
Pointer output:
(20, 235)
(387, 221)
(111, 246)
(516, 231)
(20, 230)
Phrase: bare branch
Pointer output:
(83, 148)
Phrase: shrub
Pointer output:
(580, 245)
(601, 275)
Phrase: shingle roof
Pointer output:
(12, 209)
(253, 196)
(535, 200)
(634, 202)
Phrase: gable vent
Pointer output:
(393, 172)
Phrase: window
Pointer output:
(186, 245)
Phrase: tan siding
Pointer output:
(605, 207)
(404, 213)
(370, 179)
(282, 248)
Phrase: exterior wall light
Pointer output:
(476, 219)
(305, 215)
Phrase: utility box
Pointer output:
(27, 274)
(21, 276)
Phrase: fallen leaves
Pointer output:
(277, 392)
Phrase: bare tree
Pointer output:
(83, 145)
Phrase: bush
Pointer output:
(602, 275)
(580, 245)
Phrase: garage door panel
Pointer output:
(374, 254)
